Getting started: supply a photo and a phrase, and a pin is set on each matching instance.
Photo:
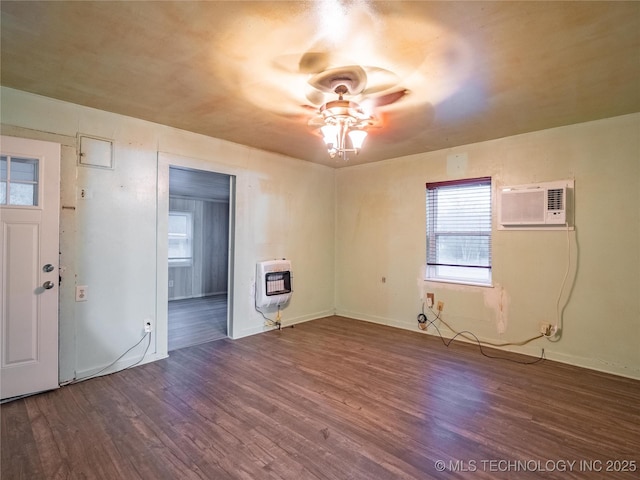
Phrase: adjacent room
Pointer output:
(320, 239)
(198, 236)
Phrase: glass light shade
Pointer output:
(330, 133)
(357, 138)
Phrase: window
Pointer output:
(459, 231)
(180, 239)
(18, 181)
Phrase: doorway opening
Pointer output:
(198, 256)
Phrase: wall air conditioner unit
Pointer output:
(535, 206)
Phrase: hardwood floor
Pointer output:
(197, 320)
(329, 399)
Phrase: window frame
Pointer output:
(182, 261)
(447, 272)
(7, 180)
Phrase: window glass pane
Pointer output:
(24, 170)
(18, 181)
(3, 180)
(463, 250)
(180, 246)
(177, 224)
(23, 194)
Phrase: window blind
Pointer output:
(459, 223)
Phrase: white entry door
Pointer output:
(29, 222)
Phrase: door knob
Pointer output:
(48, 285)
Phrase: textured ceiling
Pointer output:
(239, 70)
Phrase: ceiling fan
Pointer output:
(365, 88)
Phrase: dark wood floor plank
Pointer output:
(330, 399)
(140, 438)
(23, 463)
(197, 320)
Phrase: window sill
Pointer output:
(180, 264)
(459, 282)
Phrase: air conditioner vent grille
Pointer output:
(555, 199)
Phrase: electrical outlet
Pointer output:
(545, 328)
(440, 306)
(147, 327)
(430, 299)
(81, 293)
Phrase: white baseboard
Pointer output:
(286, 323)
(529, 350)
(120, 365)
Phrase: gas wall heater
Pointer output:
(273, 283)
(535, 206)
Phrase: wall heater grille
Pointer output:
(273, 283)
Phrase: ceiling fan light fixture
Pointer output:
(330, 137)
(357, 138)
(329, 134)
(344, 119)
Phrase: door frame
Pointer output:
(165, 161)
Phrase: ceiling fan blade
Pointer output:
(314, 62)
(379, 79)
(311, 62)
(311, 115)
(315, 97)
(389, 98)
(317, 121)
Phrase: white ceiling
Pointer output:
(238, 70)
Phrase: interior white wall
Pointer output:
(112, 240)
(380, 232)
(353, 226)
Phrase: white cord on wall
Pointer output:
(559, 310)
